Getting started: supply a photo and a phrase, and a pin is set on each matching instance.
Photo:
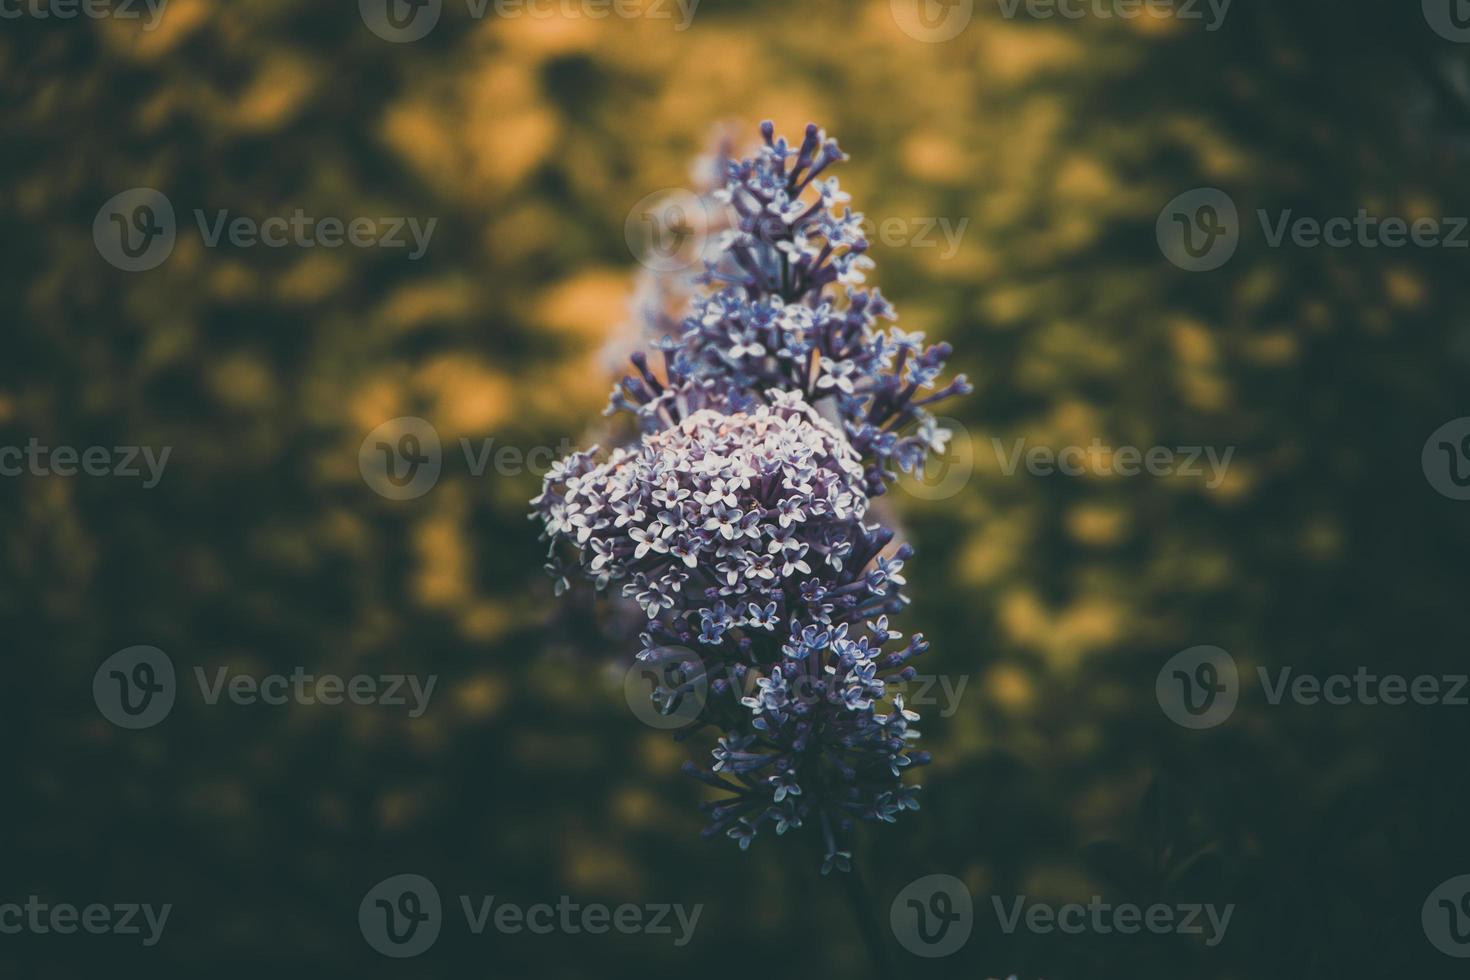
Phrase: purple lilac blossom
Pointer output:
(737, 521)
(770, 318)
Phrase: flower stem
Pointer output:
(861, 901)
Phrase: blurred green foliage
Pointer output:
(1058, 599)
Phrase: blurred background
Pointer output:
(1053, 144)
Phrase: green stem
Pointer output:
(864, 912)
(861, 901)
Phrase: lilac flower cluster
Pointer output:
(737, 521)
(723, 507)
(769, 319)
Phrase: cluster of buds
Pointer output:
(737, 522)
